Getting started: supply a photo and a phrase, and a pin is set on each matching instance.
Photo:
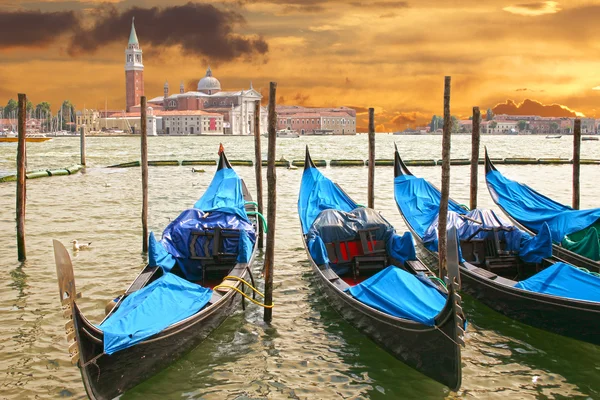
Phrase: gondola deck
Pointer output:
(108, 376)
(574, 318)
(432, 350)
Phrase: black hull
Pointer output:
(571, 318)
(106, 377)
(433, 351)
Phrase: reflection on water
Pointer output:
(309, 351)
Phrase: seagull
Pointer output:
(83, 246)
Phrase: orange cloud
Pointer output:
(532, 107)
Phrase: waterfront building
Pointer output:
(317, 121)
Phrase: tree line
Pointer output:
(41, 111)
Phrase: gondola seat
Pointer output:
(214, 259)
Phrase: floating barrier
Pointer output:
(554, 161)
(37, 174)
(199, 162)
(73, 169)
(126, 165)
(589, 161)
(381, 162)
(318, 163)
(58, 172)
(278, 163)
(420, 163)
(163, 163)
(523, 160)
(242, 163)
(8, 178)
(457, 161)
(346, 163)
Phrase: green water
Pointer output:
(308, 352)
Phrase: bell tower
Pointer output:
(134, 70)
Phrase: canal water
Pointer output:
(309, 351)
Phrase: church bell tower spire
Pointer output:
(134, 70)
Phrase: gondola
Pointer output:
(188, 288)
(574, 232)
(504, 267)
(372, 277)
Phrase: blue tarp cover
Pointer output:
(158, 256)
(225, 194)
(532, 209)
(177, 238)
(564, 280)
(318, 193)
(420, 204)
(401, 294)
(167, 300)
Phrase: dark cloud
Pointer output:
(35, 28)
(197, 29)
(532, 107)
(533, 6)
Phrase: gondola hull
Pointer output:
(108, 376)
(572, 318)
(433, 351)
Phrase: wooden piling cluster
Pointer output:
(272, 203)
(144, 164)
(576, 162)
(443, 214)
(258, 169)
(21, 170)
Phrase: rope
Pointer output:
(244, 294)
(252, 202)
(264, 221)
(435, 278)
(237, 278)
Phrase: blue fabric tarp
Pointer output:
(225, 194)
(177, 238)
(401, 294)
(564, 280)
(158, 256)
(402, 248)
(532, 209)
(318, 193)
(167, 300)
(420, 202)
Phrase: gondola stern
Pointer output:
(399, 167)
(223, 161)
(489, 166)
(68, 295)
(308, 162)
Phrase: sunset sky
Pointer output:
(390, 55)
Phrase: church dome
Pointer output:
(209, 83)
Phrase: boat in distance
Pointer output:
(30, 137)
(575, 233)
(502, 266)
(372, 277)
(188, 288)
(285, 134)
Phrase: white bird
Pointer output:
(82, 246)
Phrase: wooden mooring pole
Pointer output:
(272, 202)
(371, 180)
(576, 162)
(82, 144)
(144, 165)
(21, 186)
(443, 215)
(258, 170)
(474, 157)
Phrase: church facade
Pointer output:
(235, 108)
